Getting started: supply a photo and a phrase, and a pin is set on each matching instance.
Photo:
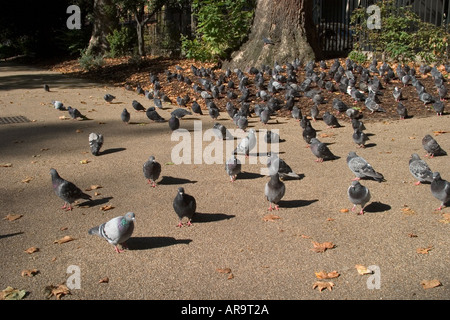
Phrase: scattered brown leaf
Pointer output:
(323, 285)
(230, 276)
(5, 165)
(64, 240)
(12, 217)
(27, 179)
(424, 250)
(29, 273)
(412, 235)
(305, 236)
(45, 149)
(78, 131)
(12, 294)
(326, 275)
(93, 187)
(446, 217)
(84, 161)
(271, 217)
(343, 210)
(322, 247)
(57, 291)
(408, 211)
(439, 132)
(428, 284)
(103, 280)
(223, 270)
(106, 207)
(32, 250)
(63, 228)
(362, 270)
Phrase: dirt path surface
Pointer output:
(231, 251)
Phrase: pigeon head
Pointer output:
(129, 216)
(152, 158)
(436, 176)
(181, 190)
(415, 156)
(354, 184)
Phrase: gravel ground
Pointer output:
(231, 252)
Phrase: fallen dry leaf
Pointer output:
(412, 235)
(408, 211)
(64, 118)
(230, 276)
(305, 236)
(64, 240)
(32, 250)
(271, 217)
(27, 179)
(428, 284)
(439, 132)
(29, 273)
(424, 250)
(12, 294)
(343, 210)
(223, 270)
(323, 285)
(326, 275)
(362, 270)
(5, 165)
(78, 131)
(12, 217)
(322, 247)
(446, 217)
(84, 161)
(93, 187)
(103, 280)
(107, 207)
(57, 291)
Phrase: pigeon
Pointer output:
(402, 111)
(339, 105)
(174, 123)
(373, 106)
(242, 123)
(271, 137)
(360, 138)
(66, 190)
(330, 120)
(420, 169)
(357, 124)
(46, 88)
(246, 144)
(361, 168)
(157, 102)
(438, 107)
(358, 195)
(185, 206)
(352, 113)
(304, 122)
(153, 115)
(196, 108)
(296, 113)
(109, 97)
(276, 164)
(75, 113)
(221, 131)
(432, 147)
(233, 167)
(274, 191)
(95, 143)
(264, 116)
(58, 105)
(321, 151)
(125, 116)
(440, 189)
(152, 170)
(137, 106)
(116, 231)
(397, 93)
(213, 113)
(308, 133)
(180, 113)
(314, 112)
(357, 95)
(442, 91)
(426, 98)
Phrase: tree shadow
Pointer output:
(210, 217)
(296, 203)
(111, 150)
(168, 181)
(145, 243)
(377, 207)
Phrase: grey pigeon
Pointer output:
(360, 138)
(180, 113)
(296, 113)
(440, 189)
(233, 167)
(116, 231)
(58, 105)
(221, 131)
(109, 97)
(425, 97)
(352, 113)
(196, 108)
(153, 115)
(152, 170)
(308, 133)
(95, 143)
(420, 169)
(358, 195)
(358, 124)
(157, 102)
(213, 113)
(438, 107)
(264, 116)
(397, 93)
(247, 144)
(361, 168)
(321, 151)
(373, 106)
(314, 112)
(125, 116)
(75, 113)
(66, 190)
(137, 106)
(271, 137)
(274, 191)
(432, 147)
(304, 122)
(442, 91)
(339, 105)
(242, 123)
(276, 164)
(330, 120)
(185, 206)
(402, 111)
(46, 88)
(174, 123)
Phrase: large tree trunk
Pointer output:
(289, 24)
(139, 15)
(104, 22)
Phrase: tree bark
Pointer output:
(104, 22)
(140, 27)
(289, 24)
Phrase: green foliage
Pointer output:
(403, 35)
(89, 61)
(121, 42)
(357, 56)
(222, 26)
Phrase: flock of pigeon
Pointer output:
(363, 85)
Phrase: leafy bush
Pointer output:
(222, 26)
(403, 35)
(121, 42)
(89, 61)
(357, 56)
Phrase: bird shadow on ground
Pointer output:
(300, 177)
(10, 235)
(377, 207)
(144, 243)
(295, 203)
(249, 175)
(112, 150)
(168, 180)
(96, 202)
(370, 145)
(211, 217)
